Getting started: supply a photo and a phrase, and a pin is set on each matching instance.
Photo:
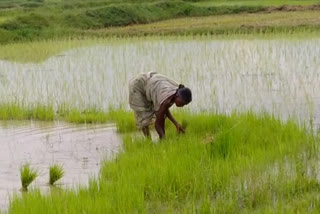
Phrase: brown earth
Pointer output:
(292, 8)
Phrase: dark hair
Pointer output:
(184, 93)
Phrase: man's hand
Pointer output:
(180, 129)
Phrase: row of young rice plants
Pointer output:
(277, 76)
(236, 163)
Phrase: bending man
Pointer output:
(152, 94)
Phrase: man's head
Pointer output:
(183, 96)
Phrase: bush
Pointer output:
(6, 36)
(30, 21)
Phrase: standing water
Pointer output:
(280, 77)
(80, 149)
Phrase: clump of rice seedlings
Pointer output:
(56, 172)
(260, 155)
(184, 123)
(28, 175)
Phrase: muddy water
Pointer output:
(79, 148)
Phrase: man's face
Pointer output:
(179, 102)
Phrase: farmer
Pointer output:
(152, 94)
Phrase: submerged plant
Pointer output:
(28, 175)
(56, 173)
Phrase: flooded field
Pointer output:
(279, 77)
(78, 148)
(275, 76)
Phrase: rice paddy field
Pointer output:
(252, 128)
(80, 149)
(68, 141)
(276, 76)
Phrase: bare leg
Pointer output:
(146, 131)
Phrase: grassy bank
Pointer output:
(34, 20)
(276, 25)
(39, 51)
(223, 164)
(235, 25)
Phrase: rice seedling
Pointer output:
(245, 168)
(225, 163)
(44, 142)
(56, 172)
(184, 123)
(27, 176)
(278, 84)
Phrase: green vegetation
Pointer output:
(56, 172)
(289, 25)
(27, 175)
(256, 3)
(241, 163)
(33, 20)
(269, 25)
(38, 51)
(18, 112)
(124, 120)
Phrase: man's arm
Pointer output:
(169, 115)
(161, 116)
(180, 129)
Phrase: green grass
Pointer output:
(277, 25)
(39, 51)
(124, 120)
(56, 172)
(266, 25)
(27, 176)
(19, 112)
(240, 163)
(38, 20)
(256, 3)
